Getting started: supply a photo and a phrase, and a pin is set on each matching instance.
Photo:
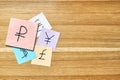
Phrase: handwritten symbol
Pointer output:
(25, 53)
(40, 29)
(42, 54)
(19, 34)
(39, 24)
(48, 38)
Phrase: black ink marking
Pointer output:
(48, 38)
(25, 53)
(36, 20)
(39, 24)
(41, 29)
(19, 34)
(42, 54)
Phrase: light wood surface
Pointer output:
(89, 45)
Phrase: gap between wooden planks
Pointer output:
(72, 49)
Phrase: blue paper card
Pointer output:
(23, 55)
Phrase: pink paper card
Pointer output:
(44, 55)
(21, 34)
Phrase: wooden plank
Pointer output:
(91, 13)
(83, 63)
(81, 35)
(68, 19)
(57, 0)
(90, 77)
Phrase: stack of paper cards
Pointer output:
(22, 36)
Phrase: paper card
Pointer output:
(42, 22)
(48, 38)
(21, 34)
(23, 55)
(44, 55)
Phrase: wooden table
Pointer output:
(89, 45)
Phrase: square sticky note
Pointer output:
(23, 55)
(21, 33)
(44, 55)
(42, 22)
(48, 38)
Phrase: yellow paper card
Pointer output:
(44, 55)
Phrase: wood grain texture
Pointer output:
(89, 45)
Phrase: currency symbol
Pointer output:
(48, 38)
(42, 54)
(25, 53)
(39, 24)
(19, 34)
